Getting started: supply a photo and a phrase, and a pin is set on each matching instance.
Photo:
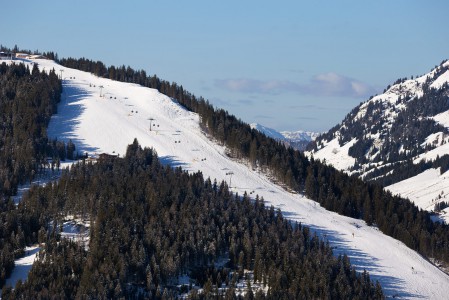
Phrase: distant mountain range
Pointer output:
(297, 139)
(398, 138)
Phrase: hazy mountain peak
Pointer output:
(297, 139)
(270, 132)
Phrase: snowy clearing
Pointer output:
(23, 266)
(425, 189)
(334, 154)
(442, 118)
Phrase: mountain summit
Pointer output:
(399, 135)
(297, 139)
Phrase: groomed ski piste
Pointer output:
(104, 116)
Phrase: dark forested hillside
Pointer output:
(28, 98)
(392, 128)
(152, 223)
(335, 190)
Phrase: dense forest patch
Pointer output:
(152, 224)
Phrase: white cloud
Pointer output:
(327, 84)
(333, 84)
(253, 85)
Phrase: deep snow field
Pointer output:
(108, 123)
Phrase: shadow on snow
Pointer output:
(63, 124)
(172, 161)
(392, 286)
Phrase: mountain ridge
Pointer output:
(396, 136)
(299, 139)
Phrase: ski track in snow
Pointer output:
(109, 123)
(22, 266)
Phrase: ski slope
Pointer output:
(108, 123)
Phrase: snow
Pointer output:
(411, 88)
(442, 79)
(23, 266)
(425, 189)
(42, 179)
(104, 124)
(433, 154)
(336, 155)
(74, 229)
(300, 135)
(77, 230)
(439, 139)
(442, 118)
(292, 136)
(268, 131)
(434, 139)
(408, 89)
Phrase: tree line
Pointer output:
(334, 190)
(152, 223)
(28, 98)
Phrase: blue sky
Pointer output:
(288, 65)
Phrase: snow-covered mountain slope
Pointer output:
(426, 189)
(397, 135)
(270, 132)
(300, 135)
(296, 139)
(124, 112)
